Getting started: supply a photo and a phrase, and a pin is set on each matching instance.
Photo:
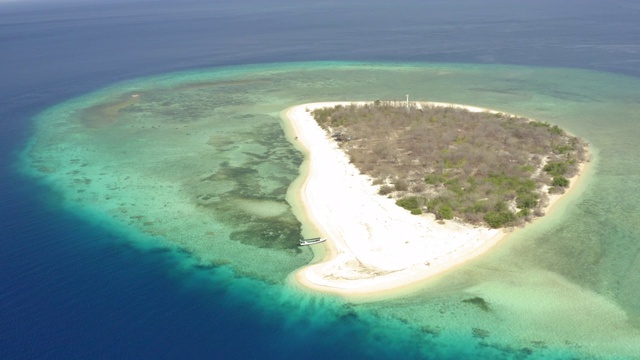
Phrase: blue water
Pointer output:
(69, 289)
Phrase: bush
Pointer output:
(478, 207)
(498, 219)
(432, 203)
(401, 185)
(556, 130)
(417, 187)
(527, 168)
(445, 212)
(562, 149)
(416, 211)
(505, 183)
(556, 168)
(527, 185)
(453, 185)
(385, 190)
(560, 181)
(526, 201)
(409, 203)
(435, 179)
(500, 206)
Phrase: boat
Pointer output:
(305, 242)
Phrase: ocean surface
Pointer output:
(144, 169)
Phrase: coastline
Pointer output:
(374, 248)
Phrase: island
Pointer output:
(381, 236)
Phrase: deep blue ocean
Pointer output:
(71, 289)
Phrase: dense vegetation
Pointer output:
(480, 167)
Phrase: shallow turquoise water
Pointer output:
(198, 162)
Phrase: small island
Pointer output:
(404, 191)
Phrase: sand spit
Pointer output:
(374, 246)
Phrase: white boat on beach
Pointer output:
(304, 242)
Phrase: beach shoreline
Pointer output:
(374, 248)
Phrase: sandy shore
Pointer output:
(373, 245)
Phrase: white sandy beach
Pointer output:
(374, 245)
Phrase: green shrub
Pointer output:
(527, 168)
(556, 130)
(408, 203)
(500, 206)
(504, 182)
(435, 179)
(555, 168)
(456, 189)
(498, 219)
(527, 185)
(416, 211)
(477, 207)
(526, 201)
(445, 212)
(433, 203)
(539, 124)
(562, 149)
(560, 181)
